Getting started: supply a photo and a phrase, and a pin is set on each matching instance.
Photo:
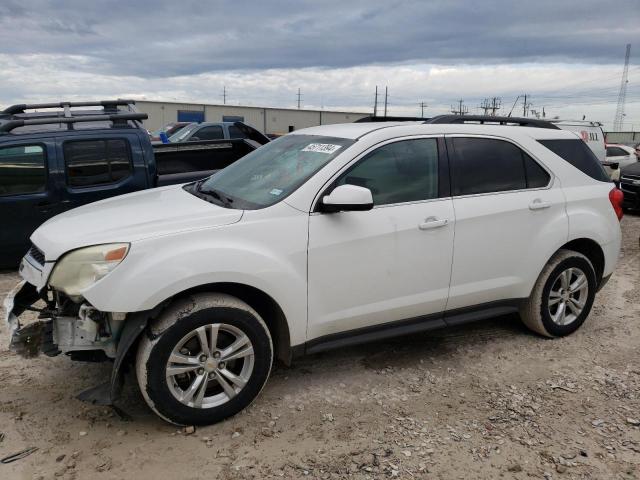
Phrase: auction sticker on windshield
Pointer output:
(327, 148)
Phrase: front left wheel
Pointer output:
(204, 359)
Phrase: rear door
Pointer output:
(28, 195)
(100, 167)
(510, 215)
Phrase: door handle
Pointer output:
(432, 222)
(538, 204)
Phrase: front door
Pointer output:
(392, 262)
(28, 195)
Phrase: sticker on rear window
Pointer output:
(327, 148)
(275, 191)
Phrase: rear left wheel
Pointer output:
(206, 358)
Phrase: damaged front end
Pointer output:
(75, 329)
(63, 326)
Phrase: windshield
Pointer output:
(272, 172)
(183, 133)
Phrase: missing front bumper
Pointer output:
(34, 338)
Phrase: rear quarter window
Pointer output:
(578, 154)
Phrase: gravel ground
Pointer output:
(486, 400)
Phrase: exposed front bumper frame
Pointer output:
(28, 340)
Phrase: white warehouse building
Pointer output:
(267, 120)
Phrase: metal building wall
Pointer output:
(267, 120)
(622, 137)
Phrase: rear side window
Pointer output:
(578, 154)
(235, 132)
(485, 165)
(22, 170)
(209, 133)
(405, 171)
(96, 162)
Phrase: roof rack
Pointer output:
(15, 116)
(372, 118)
(107, 104)
(488, 119)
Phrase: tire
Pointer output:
(175, 380)
(542, 306)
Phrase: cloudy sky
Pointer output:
(567, 55)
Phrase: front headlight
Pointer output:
(82, 268)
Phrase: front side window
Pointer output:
(270, 173)
(405, 171)
(96, 162)
(22, 170)
(486, 165)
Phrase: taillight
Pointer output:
(615, 197)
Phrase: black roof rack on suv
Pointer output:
(488, 119)
(376, 118)
(15, 116)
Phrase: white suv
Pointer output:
(326, 237)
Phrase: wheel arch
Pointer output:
(261, 302)
(590, 249)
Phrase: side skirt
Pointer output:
(408, 326)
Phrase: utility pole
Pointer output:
(375, 104)
(525, 106)
(486, 106)
(496, 103)
(422, 105)
(224, 95)
(514, 106)
(386, 94)
(299, 97)
(622, 96)
(462, 108)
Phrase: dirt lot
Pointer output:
(487, 400)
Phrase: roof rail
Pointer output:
(118, 119)
(107, 104)
(372, 118)
(488, 119)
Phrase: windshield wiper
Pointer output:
(226, 201)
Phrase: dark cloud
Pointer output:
(160, 39)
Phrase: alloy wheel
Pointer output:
(568, 296)
(210, 365)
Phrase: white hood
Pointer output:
(131, 217)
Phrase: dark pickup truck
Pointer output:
(61, 157)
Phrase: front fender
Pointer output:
(156, 270)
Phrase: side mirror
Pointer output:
(194, 139)
(347, 198)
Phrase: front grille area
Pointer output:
(36, 254)
(630, 177)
